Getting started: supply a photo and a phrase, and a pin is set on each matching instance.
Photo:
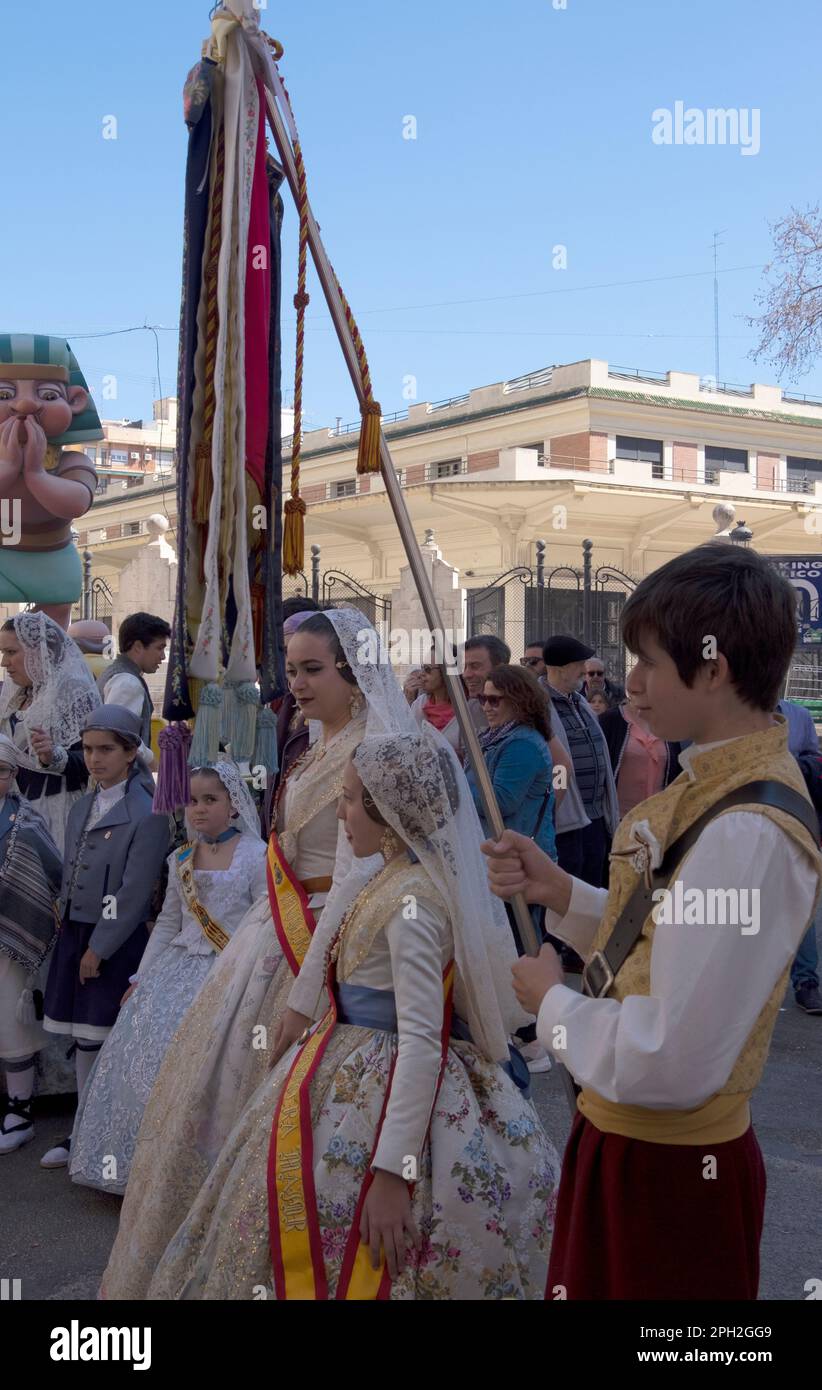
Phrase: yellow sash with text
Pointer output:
(185, 872)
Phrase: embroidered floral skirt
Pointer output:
(213, 1064)
(484, 1204)
(117, 1091)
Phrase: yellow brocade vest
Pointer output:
(716, 772)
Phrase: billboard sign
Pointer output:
(804, 572)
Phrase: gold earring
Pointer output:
(389, 844)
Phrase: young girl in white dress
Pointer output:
(390, 1154)
(251, 1007)
(213, 880)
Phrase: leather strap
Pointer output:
(601, 971)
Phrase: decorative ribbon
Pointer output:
(294, 1225)
(294, 921)
(202, 490)
(294, 510)
(368, 454)
(185, 870)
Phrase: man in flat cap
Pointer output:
(589, 813)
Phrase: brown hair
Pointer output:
(730, 594)
(529, 698)
(319, 625)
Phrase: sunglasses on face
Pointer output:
(6, 771)
(492, 701)
(594, 673)
(530, 661)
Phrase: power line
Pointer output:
(547, 333)
(571, 289)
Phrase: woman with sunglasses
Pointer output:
(516, 747)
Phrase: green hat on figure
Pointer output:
(30, 355)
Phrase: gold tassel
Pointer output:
(368, 456)
(203, 483)
(293, 535)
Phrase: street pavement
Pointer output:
(55, 1237)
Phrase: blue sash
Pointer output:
(363, 1007)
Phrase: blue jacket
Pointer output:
(122, 858)
(521, 769)
(801, 732)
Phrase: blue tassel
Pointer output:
(265, 745)
(205, 746)
(241, 702)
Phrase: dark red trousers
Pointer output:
(644, 1221)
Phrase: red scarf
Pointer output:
(438, 714)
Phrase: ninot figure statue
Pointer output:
(45, 482)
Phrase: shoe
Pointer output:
(16, 1128)
(57, 1157)
(809, 999)
(536, 1056)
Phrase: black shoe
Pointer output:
(809, 999)
(16, 1128)
(57, 1157)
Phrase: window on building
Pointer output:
(717, 458)
(538, 449)
(346, 489)
(131, 528)
(448, 468)
(803, 473)
(135, 482)
(118, 456)
(628, 446)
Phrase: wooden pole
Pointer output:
(468, 733)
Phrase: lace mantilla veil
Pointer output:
(386, 710)
(416, 780)
(240, 797)
(63, 688)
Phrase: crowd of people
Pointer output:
(304, 1026)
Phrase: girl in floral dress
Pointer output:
(390, 1154)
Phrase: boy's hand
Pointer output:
(516, 865)
(534, 976)
(89, 966)
(128, 993)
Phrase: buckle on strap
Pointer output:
(597, 977)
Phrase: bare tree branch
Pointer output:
(790, 326)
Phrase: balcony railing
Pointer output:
(725, 388)
(801, 399)
(446, 405)
(527, 383)
(637, 374)
(806, 483)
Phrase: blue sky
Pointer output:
(533, 130)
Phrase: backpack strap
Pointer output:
(602, 968)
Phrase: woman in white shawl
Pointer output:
(251, 1005)
(30, 872)
(212, 882)
(390, 1154)
(47, 692)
